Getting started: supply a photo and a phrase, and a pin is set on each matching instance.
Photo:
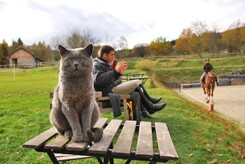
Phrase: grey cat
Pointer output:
(74, 108)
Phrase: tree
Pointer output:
(42, 51)
(16, 44)
(140, 50)
(182, 45)
(77, 39)
(109, 40)
(198, 28)
(160, 47)
(1, 53)
(58, 40)
(5, 52)
(195, 45)
(122, 43)
(233, 38)
(89, 38)
(215, 40)
(20, 42)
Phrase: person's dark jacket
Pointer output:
(104, 77)
(207, 67)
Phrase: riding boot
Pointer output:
(153, 100)
(150, 107)
(145, 114)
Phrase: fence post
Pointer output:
(14, 72)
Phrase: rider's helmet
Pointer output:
(207, 59)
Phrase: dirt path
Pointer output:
(228, 100)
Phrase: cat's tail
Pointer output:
(95, 134)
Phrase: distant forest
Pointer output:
(196, 40)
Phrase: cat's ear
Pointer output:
(62, 50)
(89, 49)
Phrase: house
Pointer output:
(23, 58)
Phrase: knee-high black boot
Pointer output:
(153, 100)
(150, 107)
(145, 114)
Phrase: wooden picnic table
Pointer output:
(123, 135)
(136, 75)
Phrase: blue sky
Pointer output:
(139, 21)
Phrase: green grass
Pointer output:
(199, 136)
(183, 70)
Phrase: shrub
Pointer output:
(146, 65)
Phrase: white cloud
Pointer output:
(139, 21)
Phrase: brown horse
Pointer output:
(208, 87)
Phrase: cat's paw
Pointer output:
(95, 134)
(77, 138)
(68, 134)
(86, 139)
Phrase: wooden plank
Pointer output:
(165, 144)
(77, 146)
(123, 145)
(68, 157)
(58, 143)
(101, 122)
(39, 140)
(98, 94)
(108, 98)
(81, 146)
(144, 145)
(108, 134)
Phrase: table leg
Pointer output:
(52, 157)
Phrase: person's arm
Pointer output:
(103, 77)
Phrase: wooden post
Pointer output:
(211, 107)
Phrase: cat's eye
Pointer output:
(81, 59)
(68, 59)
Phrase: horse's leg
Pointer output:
(204, 91)
(208, 95)
(212, 93)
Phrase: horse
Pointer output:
(209, 85)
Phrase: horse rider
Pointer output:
(207, 67)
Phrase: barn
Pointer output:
(24, 59)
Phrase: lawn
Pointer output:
(185, 70)
(199, 136)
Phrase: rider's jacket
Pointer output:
(207, 67)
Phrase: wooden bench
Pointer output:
(116, 142)
(100, 98)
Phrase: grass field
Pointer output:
(184, 70)
(199, 136)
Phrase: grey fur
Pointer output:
(74, 108)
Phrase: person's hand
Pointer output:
(121, 67)
(114, 64)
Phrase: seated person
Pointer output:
(207, 67)
(107, 80)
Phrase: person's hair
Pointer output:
(105, 49)
(207, 59)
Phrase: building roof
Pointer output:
(27, 52)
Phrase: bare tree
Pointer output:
(198, 28)
(76, 38)
(108, 39)
(88, 37)
(215, 39)
(56, 41)
(122, 43)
